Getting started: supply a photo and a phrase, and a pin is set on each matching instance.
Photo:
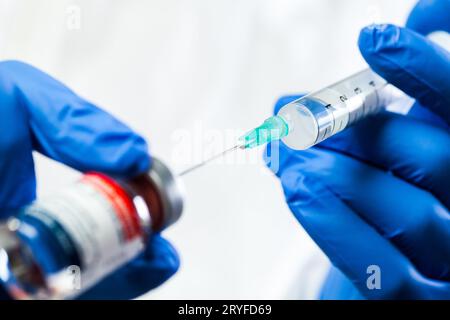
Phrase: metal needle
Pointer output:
(201, 164)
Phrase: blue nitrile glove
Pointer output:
(39, 113)
(378, 194)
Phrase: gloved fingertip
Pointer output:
(162, 255)
(376, 38)
(132, 157)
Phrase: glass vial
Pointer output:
(59, 246)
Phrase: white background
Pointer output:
(208, 67)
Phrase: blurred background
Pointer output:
(188, 75)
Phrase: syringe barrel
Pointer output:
(321, 114)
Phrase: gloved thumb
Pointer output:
(410, 62)
(419, 18)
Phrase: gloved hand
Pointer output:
(39, 113)
(378, 194)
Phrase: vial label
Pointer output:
(101, 220)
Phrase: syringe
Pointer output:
(319, 115)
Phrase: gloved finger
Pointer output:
(419, 18)
(150, 269)
(410, 62)
(351, 244)
(17, 178)
(423, 114)
(407, 216)
(412, 150)
(70, 129)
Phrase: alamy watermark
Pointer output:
(73, 273)
(195, 145)
(73, 17)
(374, 279)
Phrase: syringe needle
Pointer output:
(201, 164)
